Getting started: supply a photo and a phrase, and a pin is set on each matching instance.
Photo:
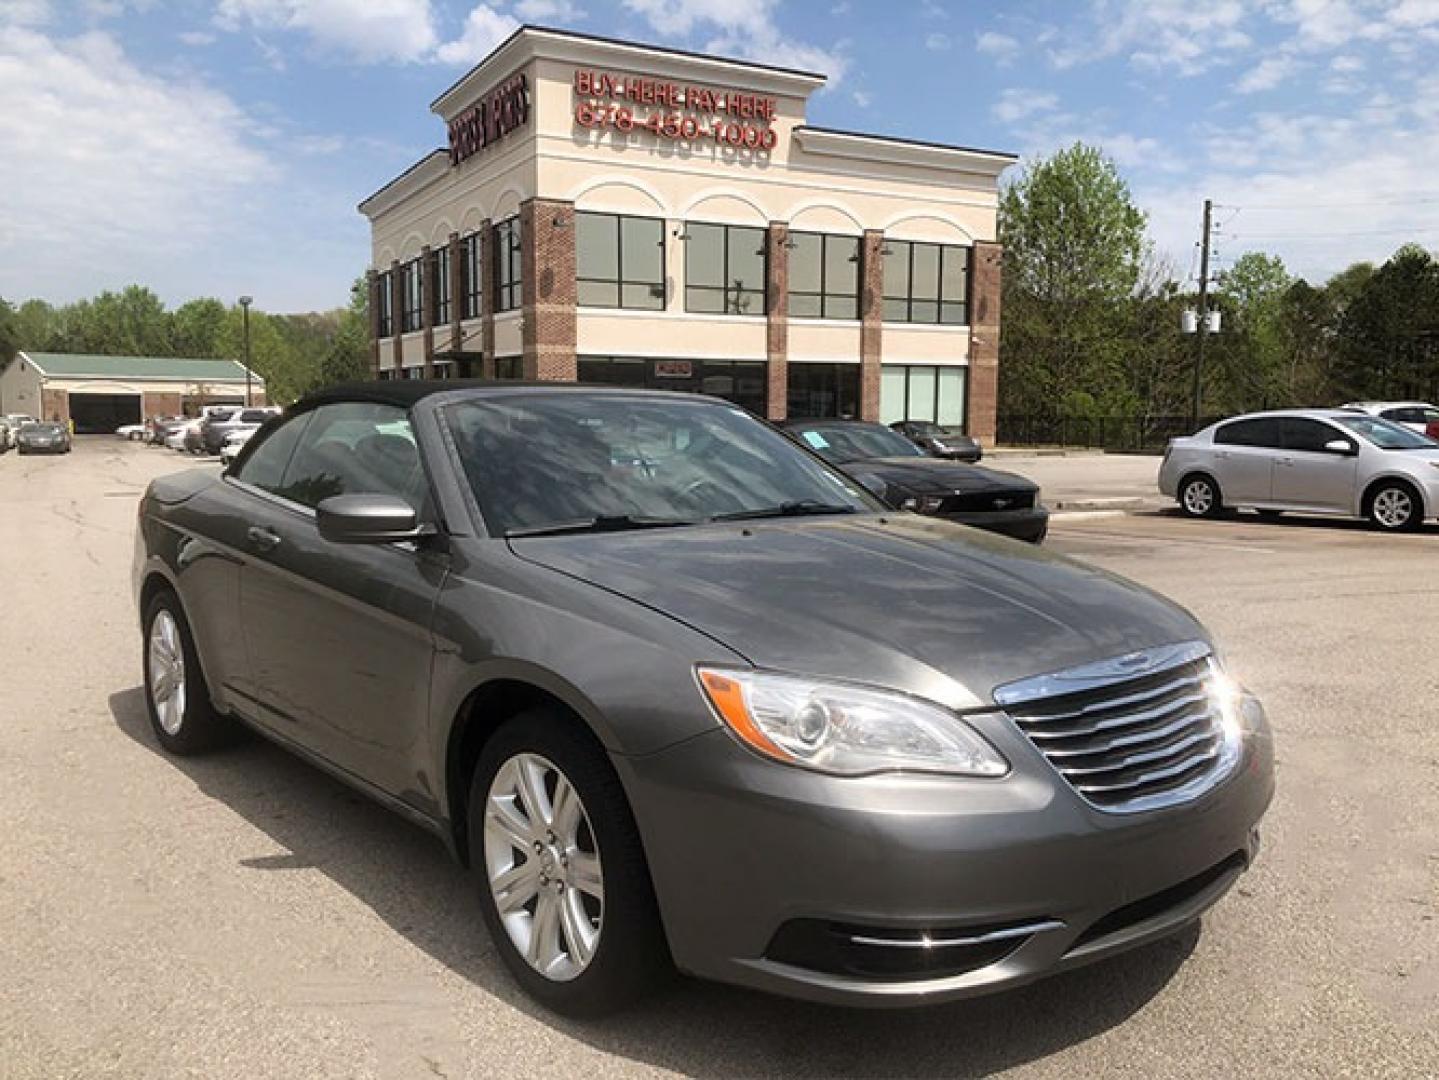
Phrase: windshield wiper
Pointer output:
(602, 523)
(800, 508)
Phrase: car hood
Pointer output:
(926, 475)
(922, 605)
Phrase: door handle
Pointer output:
(262, 539)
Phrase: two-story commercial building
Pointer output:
(624, 214)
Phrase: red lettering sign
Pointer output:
(732, 118)
(492, 118)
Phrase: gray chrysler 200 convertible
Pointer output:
(683, 695)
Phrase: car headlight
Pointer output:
(845, 730)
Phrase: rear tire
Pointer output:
(176, 696)
(575, 885)
(1394, 506)
(1199, 497)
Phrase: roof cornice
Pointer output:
(430, 168)
(542, 43)
(853, 145)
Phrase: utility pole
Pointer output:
(1203, 327)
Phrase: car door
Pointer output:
(339, 635)
(1244, 454)
(1308, 474)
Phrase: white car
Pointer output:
(1311, 461)
(234, 443)
(1417, 416)
(15, 421)
(133, 432)
(176, 439)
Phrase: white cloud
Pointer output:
(1158, 35)
(369, 31)
(1320, 190)
(1016, 103)
(197, 38)
(101, 156)
(484, 29)
(937, 42)
(862, 99)
(24, 12)
(549, 12)
(1000, 46)
(744, 28)
(1346, 65)
(1267, 74)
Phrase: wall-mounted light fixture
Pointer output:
(560, 222)
(680, 234)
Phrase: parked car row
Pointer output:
(207, 433)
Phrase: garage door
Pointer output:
(101, 414)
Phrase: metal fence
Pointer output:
(1133, 433)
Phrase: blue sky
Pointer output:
(217, 147)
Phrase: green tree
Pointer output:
(9, 334)
(196, 328)
(348, 356)
(1258, 376)
(1075, 250)
(1389, 333)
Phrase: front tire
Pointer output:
(177, 698)
(1395, 507)
(562, 877)
(1199, 497)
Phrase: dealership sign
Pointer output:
(500, 112)
(674, 111)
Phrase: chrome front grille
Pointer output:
(1128, 742)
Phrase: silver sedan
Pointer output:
(1312, 461)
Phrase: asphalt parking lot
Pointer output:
(242, 915)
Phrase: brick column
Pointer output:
(486, 260)
(54, 405)
(397, 322)
(776, 310)
(457, 294)
(982, 406)
(547, 267)
(374, 292)
(871, 328)
(427, 307)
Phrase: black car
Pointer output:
(907, 478)
(43, 438)
(939, 441)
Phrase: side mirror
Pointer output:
(368, 519)
(1341, 446)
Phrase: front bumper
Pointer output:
(1030, 524)
(43, 448)
(740, 848)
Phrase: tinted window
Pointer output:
(540, 460)
(255, 416)
(1251, 433)
(355, 448)
(1386, 435)
(855, 442)
(1309, 435)
(265, 466)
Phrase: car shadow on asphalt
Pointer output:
(703, 1029)
(1326, 522)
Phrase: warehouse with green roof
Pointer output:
(100, 393)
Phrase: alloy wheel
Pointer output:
(166, 656)
(1393, 508)
(1198, 498)
(543, 866)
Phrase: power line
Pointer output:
(1404, 201)
(1405, 231)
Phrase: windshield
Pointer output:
(1387, 435)
(545, 460)
(855, 442)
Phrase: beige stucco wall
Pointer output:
(20, 389)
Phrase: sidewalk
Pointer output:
(1086, 480)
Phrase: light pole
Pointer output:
(245, 302)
